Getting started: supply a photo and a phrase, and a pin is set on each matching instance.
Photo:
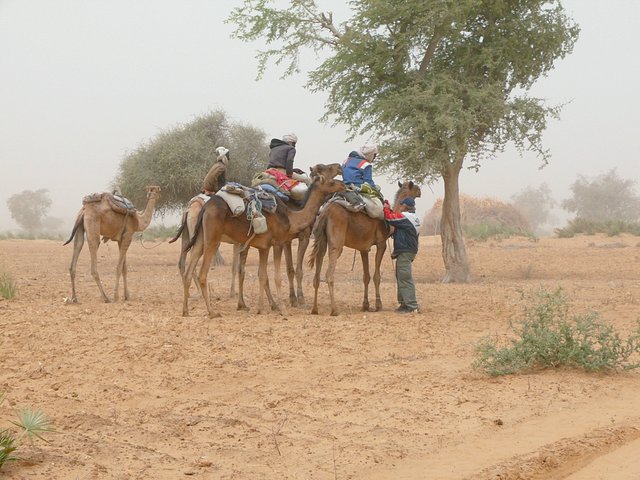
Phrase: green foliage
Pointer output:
(159, 232)
(548, 337)
(8, 287)
(535, 204)
(484, 231)
(604, 198)
(30, 423)
(436, 80)
(178, 159)
(29, 209)
(590, 227)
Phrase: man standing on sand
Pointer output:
(405, 228)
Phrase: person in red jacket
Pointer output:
(405, 228)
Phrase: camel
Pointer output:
(297, 297)
(215, 220)
(187, 227)
(100, 217)
(213, 181)
(337, 228)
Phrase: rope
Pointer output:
(149, 248)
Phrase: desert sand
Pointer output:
(136, 391)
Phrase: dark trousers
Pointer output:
(404, 279)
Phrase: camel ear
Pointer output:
(400, 184)
(322, 179)
(411, 184)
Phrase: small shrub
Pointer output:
(484, 231)
(549, 337)
(30, 423)
(159, 232)
(8, 287)
(591, 227)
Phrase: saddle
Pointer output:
(288, 187)
(118, 203)
(240, 198)
(364, 199)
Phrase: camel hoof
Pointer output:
(378, 307)
(106, 300)
(274, 307)
(293, 301)
(242, 306)
(215, 315)
(334, 313)
(365, 307)
(314, 311)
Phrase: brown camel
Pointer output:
(297, 298)
(337, 228)
(284, 225)
(190, 216)
(213, 181)
(100, 217)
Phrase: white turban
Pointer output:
(369, 150)
(222, 155)
(290, 138)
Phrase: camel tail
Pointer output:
(79, 222)
(196, 232)
(319, 240)
(183, 224)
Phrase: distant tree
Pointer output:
(437, 82)
(178, 159)
(606, 197)
(535, 204)
(29, 209)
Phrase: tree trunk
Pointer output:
(454, 253)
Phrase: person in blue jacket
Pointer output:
(405, 228)
(357, 169)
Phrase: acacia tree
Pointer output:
(605, 197)
(535, 204)
(178, 159)
(29, 208)
(437, 81)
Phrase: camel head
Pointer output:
(327, 185)
(327, 171)
(153, 191)
(408, 189)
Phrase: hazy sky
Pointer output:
(85, 81)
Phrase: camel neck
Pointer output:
(144, 217)
(304, 218)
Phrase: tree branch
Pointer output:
(428, 54)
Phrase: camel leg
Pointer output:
(123, 246)
(124, 279)
(184, 241)
(380, 249)
(189, 273)
(365, 279)
(209, 254)
(316, 279)
(334, 254)
(277, 261)
(303, 243)
(293, 300)
(242, 260)
(264, 280)
(78, 243)
(234, 268)
(93, 241)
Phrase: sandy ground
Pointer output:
(136, 391)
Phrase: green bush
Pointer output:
(549, 337)
(8, 287)
(591, 227)
(159, 232)
(484, 231)
(30, 423)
